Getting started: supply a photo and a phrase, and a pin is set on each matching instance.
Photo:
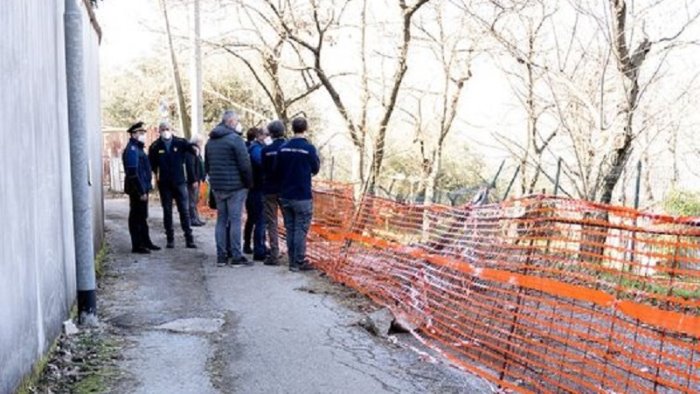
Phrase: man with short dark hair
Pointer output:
(271, 188)
(167, 158)
(137, 184)
(254, 202)
(297, 162)
(227, 163)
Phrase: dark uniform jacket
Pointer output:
(226, 161)
(136, 168)
(169, 164)
(195, 167)
(255, 150)
(297, 162)
(271, 181)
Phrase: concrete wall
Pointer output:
(37, 263)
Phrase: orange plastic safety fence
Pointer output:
(540, 294)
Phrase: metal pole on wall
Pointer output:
(556, 178)
(80, 164)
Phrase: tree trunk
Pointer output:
(196, 79)
(181, 104)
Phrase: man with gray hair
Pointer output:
(227, 163)
(167, 158)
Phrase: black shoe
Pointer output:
(140, 251)
(247, 250)
(259, 258)
(306, 266)
(196, 224)
(189, 244)
(271, 261)
(293, 267)
(242, 261)
(170, 244)
(153, 247)
(221, 262)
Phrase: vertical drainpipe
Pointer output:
(81, 184)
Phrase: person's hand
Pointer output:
(144, 197)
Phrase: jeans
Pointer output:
(297, 220)
(168, 192)
(138, 226)
(254, 207)
(272, 205)
(229, 209)
(193, 190)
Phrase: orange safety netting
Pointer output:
(537, 294)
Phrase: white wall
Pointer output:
(37, 263)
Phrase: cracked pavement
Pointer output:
(190, 327)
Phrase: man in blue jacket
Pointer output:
(297, 162)
(137, 184)
(271, 188)
(227, 163)
(254, 203)
(167, 158)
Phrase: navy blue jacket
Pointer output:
(271, 182)
(137, 169)
(169, 165)
(297, 162)
(255, 151)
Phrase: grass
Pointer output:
(31, 381)
(96, 350)
(101, 259)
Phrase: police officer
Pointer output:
(137, 184)
(167, 158)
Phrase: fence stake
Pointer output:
(498, 173)
(638, 185)
(556, 178)
(512, 181)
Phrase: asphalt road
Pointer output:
(191, 327)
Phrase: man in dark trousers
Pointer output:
(297, 162)
(195, 175)
(271, 188)
(167, 158)
(227, 163)
(254, 203)
(137, 184)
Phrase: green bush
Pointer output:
(682, 203)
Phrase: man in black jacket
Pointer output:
(195, 175)
(167, 158)
(227, 163)
(137, 184)
(271, 188)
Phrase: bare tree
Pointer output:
(453, 49)
(314, 41)
(260, 44)
(185, 122)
